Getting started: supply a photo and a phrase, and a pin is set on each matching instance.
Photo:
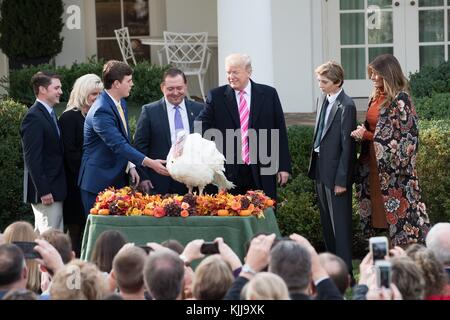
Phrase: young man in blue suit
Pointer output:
(157, 129)
(44, 177)
(108, 156)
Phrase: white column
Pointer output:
(245, 26)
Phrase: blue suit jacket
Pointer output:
(153, 139)
(106, 148)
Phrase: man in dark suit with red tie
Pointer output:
(157, 129)
(44, 177)
(332, 160)
(259, 156)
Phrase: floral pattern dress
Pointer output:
(396, 145)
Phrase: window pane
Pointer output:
(107, 14)
(108, 49)
(136, 17)
(431, 55)
(431, 25)
(352, 28)
(351, 4)
(431, 3)
(380, 28)
(375, 52)
(383, 4)
(354, 63)
(141, 52)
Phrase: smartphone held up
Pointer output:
(379, 247)
(28, 249)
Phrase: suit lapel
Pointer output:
(49, 119)
(319, 106)
(190, 115)
(116, 113)
(165, 121)
(256, 103)
(231, 104)
(336, 105)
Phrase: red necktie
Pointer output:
(244, 113)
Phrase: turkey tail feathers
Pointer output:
(221, 181)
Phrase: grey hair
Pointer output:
(438, 241)
(83, 86)
(292, 262)
(239, 60)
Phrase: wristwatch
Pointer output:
(246, 268)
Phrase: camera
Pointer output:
(379, 248)
(209, 248)
(28, 249)
(383, 269)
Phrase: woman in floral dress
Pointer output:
(387, 185)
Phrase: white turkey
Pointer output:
(196, 162)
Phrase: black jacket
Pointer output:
(152, 138)
(266, 114)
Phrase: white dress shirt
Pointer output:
(247, 95)
(49, 109)
(331, 100)
(171, 116)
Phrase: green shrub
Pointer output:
(146, 78)
(300, 143)
(297, 211)
(430, 80)
(11, 165)
(69, 75)
(19, 87)
(132, 122)
(435, 107)
(433, 166)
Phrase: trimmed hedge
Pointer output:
(19, 88)
(11, 165)
(435, 107)
(430, 80)
(146, 79)
(433, 166)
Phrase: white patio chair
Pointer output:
(123, 39)
(190, 53)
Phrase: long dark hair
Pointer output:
(106, 247)
(394, 81)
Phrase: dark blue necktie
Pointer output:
(321, 123)
(55, 121)
(178, 121)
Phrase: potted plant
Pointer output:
(30, 31)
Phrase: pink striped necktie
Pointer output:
(244, 113)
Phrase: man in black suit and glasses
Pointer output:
(332, 159)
